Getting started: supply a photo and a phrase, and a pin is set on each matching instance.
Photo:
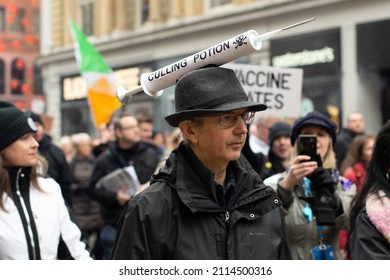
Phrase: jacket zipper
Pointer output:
(30, 233)
(227, 217)
(227, 220)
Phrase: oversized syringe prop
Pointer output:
(154, 83)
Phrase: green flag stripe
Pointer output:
(89, 59)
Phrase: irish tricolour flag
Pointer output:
(98, 76)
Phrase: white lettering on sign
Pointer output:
(325, 55)
(278, 88)
(75, 88)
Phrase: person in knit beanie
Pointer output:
(58, 165)
(13, 124)
(279, 153)
(316, 199)
(34, 220)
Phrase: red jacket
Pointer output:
(357, 174)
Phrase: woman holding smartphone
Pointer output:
(316, 199)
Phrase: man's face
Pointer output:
(215, 145)
(146, 131)
(129, 132)
(356, 122)
(281, 147)
(262, 129)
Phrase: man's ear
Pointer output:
(118, 133)
(188, 130)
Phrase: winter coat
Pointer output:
(357, 174)
(142, 156)
(36, 224)
(58, 166)
(371, 238)
(303, 235)
(180, 217)
(344, 140)
(272, 165)
(86, 210)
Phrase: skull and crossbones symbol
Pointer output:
(240, 41)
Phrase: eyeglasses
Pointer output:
(129, 127)
(230, 119)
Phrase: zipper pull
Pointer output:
(227, 217)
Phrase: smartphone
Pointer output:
(307, 145)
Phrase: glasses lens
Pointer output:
(228, 120)
(248, 117)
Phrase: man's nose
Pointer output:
(241, 125)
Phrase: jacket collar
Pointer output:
(378, 210)
(192, 180)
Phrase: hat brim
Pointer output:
(178, 117)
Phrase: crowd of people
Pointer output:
(229, 182)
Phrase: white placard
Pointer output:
(278, 88)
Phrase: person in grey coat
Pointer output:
(316, 199)
(207, 202)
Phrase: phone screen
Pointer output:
(307, 145)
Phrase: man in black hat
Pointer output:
(207, 202)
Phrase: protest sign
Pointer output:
(278, 88)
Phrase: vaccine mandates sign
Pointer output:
(278, 88)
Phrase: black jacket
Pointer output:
(144, 158)
(366, 242)
(272, 165)
(58, 166)
(343, 142)
(178, 216)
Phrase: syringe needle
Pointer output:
(270, 34)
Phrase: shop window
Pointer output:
(2, 76)
(216, 3)
(36, 26)
(2, 19)
(18, 69)
(87, 18)
(17, 22)
(145, 11)
(76, 117)
(38, 89)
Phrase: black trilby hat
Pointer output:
(208, 91)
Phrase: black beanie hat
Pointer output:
(278, 129)
(314, 118)
(35, 117)
(13, 124)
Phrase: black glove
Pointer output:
(322, 187)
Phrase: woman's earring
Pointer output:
(387, 176)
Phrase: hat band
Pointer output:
(216, 102)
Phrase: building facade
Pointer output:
(343, 52)
(19, 48)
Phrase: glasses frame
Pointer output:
(247, 117)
